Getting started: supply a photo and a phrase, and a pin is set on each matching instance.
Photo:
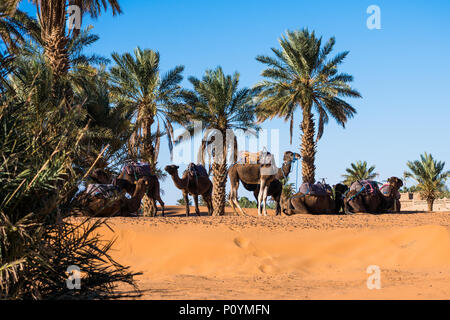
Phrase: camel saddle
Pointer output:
(366, 186)
(197, 170)
(387, 189)
(104, 191)
(138, 169)
(262, 157)
(318, 189)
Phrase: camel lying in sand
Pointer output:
(324, 202)
(112, 202)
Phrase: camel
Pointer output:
(261, 175)
(153, 193)
(193, 185)
(391, 195)
(304, 203)
(114, 203)
(363, 197)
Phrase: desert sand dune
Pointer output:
(299, 257)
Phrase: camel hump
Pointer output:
(366, 186)
(261, 157)
(137, 169)
(318, 189)
(197, 170)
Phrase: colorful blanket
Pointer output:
(105, 191)
(366, 186)
(318, 189)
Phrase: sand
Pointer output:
(298, 257)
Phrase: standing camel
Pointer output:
(113, 202)
(262, 176)
(193, 185)
(132, 173)
(275, 187)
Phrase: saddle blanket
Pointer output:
(105, 191)
(386, 190)
(138, 169)
(318, 189)
(197, 169)
(262, 157)
(369, 187)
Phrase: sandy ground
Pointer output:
(298, 257)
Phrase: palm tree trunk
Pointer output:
(430, 203)
(52, 17)
(56, 53)
(148, 205)
(219, 182)
(308, 147)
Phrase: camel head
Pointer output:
(395, 182)
(340, 188)
(172, 170)
(290, 156)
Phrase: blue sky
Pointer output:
(401, 70)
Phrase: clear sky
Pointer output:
(401, 70)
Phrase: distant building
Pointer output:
(412, 201)
(410, 196)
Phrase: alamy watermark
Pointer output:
(374, 280)
(73, 282)
(221, 146)
(74, 17)
(374, 20)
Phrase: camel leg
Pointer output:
(233, 197)
(186, 201)
(278, 208)
(197, 210)
(210, 205)
(299, 208)
(266, 190)
(161, 204)
(207, 199)
(288, 208)
(262, 189)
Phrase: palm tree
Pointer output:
(359, 171)
(217, 102)
(52, 16)
(137, 83)
(106, 125)
(301, 76)
(14, 28)
(430, 177)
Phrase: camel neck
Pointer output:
(284, 171)
(179, 183)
